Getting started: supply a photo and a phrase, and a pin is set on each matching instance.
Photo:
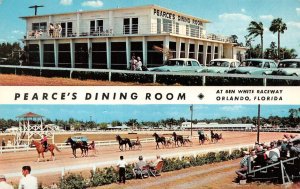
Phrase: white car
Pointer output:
(179, 65)
(288, 67)
(220, 66)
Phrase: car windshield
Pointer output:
(251, 63)
(290, 64)
(175, 63)
(219, 63)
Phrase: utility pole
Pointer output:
(191, 109)
(258, 123)
(35, 7)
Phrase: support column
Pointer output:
(41, 53)
(187, 48)
(178, 47)
(72, 52)
(220, 53)
(166, 46)
(197, 50)
(56, 53)
(78, 24)
(128, 52)
(145, 50)
(213, 49)
(204, 53)
(108, 53)
(90, 50)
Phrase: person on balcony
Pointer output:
(51, 30)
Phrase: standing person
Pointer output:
(133, 63)
(121, 165)
(27, 181)
(51, 30)
(44, 142)
(139, 64)
(59, 29)
(4, 184)
(3, 143)
(9, 143)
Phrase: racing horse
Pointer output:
(187, 140)
(217, 137)
(136, 144)
(40, 149)
(80, 144)
(122, 142)
(159, 139)
(178, 138)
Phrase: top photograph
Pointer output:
(149, 43)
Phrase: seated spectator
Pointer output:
(154, 164)
(261, 158)
(274, 153)
(244, 165)
(4, 184)
(139, 166)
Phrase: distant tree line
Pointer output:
(292, 120)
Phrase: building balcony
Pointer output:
(127, 30)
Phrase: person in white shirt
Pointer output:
(27, 181)
(121, 165)
(139, 64)
(4, 184)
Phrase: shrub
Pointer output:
(103, 176)
(72, 181)
(210, 157)
(222, 156)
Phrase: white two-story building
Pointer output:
(106, 39)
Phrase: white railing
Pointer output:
(125, 30)
(93, 166)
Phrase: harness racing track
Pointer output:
(11, 163)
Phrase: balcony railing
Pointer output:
(126, 30)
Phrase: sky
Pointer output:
(108, 113)
(228, 17)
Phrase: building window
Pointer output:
(158, 26)
(200, 54)
(187, 30)
(182, 50)
(118, 55)
(49, 55)
(192, 51)
(167, 26)
(154, 58)
(208, 58)
(194, 31)
(64, 56)
(39, 26)
(81, 55)
(172, 48)
(177, 28)
(130, 26)
(99, 55)
(137, 49)
(34, 55)
(135, 26)
(216, 52)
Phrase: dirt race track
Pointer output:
(12, 162)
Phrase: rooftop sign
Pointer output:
(179, 18)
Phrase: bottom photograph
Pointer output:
(149, 146)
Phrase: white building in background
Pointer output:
(108, 38)
(217, 126)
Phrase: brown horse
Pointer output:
(40, 149)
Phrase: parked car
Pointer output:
(256, 67)
(179, 65)
(288, 67)
(220, 66)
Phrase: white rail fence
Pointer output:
(154, 75)
(92, 166)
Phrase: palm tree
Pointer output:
(257, 29)
(278, 26)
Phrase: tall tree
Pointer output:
(278, 26)
(257, 29)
